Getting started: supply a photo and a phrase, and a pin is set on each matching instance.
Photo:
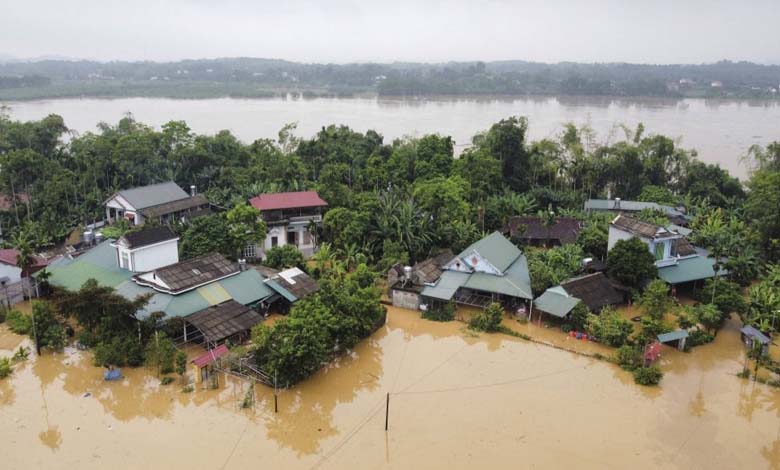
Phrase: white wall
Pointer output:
(616, 234)
(14, 273)
(151, 257)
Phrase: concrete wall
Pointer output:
(149, 258)
(403, 299)
(14, 273)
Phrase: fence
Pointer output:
(13, 293)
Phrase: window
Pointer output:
(249, 252)
(274, 241)
(125, 260)
(659, 251)
(292, 238)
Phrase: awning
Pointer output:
(754, 334)
(211, 356)
(224, 320)
(555, 303)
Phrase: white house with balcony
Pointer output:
(147, 249)
(162, 202)
(678, 261)
(290, 218)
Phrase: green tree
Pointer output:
(630, 262)
(610, 328)
(181, 365)
(489, 319)
(205, 235)
(762, 208)
(655, 300)
(283, 257)
(47, 331)
(160, 354)
(245, 227)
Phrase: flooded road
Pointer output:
(458, 400)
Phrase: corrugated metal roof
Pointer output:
(496, 249)
(672, 336)
(753, 333)
(211, 355)
(446, 286)
(247, 287)
(273, 284)
(290, 200)
(629, 206)
(152, 195)
(555, 303)
(687, 270)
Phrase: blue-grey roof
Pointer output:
(672, 336)
(555, 303)
(753, 333)
(629, 206)
(446, 286)
(279, 289)
(688, 269)
(152, 195)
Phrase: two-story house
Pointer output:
(290, 218)
(162, 202)
(678, 261)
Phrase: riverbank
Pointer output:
(457, 400)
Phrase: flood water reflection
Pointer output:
(457, 400)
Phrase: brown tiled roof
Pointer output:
(430, 270)
(147, 236)
(565, 229)
(224, 320)
(193, 272)
(641, 228)
(194, 202)
(594, 289)
(304, 285)
(683, 247)
(266, 271)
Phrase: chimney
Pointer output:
(407, 274)
(193, 190)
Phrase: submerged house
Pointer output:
(212, 294)
(617, 206)
(290, 285)
(595, 290)
(678, 261)
(290, 218)
(532, 230)
(405, 283)
(162, 202)
(490, 270)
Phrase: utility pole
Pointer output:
(387, 411)
(276, 401)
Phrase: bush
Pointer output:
(188, 389)
(283, 257)
(18, 322)
(488, 320)
(119, 352)
(629, 357)
(697, 338)
(610, 328)
(3, 313)
(167, 380)
(648, 375)
(87, 338)
(445, 312)
(5, 367)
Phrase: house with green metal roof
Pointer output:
(183, 288)
(490, 270)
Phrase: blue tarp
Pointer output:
(113, 374)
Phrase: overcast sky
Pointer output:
(650, 31)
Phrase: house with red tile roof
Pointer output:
(9, 267)
(290, 218)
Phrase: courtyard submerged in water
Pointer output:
(457, 399)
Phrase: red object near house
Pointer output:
(211, 356)
(652, 352)
(291, 200)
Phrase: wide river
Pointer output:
(721, 131)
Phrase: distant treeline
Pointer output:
(261, 77)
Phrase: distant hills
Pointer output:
(254, 77)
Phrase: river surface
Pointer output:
(458, 401)
(721, 131)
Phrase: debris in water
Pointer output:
(87, 395)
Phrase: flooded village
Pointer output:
(340, 302)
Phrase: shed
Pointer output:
(220, 322)
(204, 363)
(677, 337)
(556, 302)
(752, 335)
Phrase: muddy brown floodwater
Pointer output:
(458, 400)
